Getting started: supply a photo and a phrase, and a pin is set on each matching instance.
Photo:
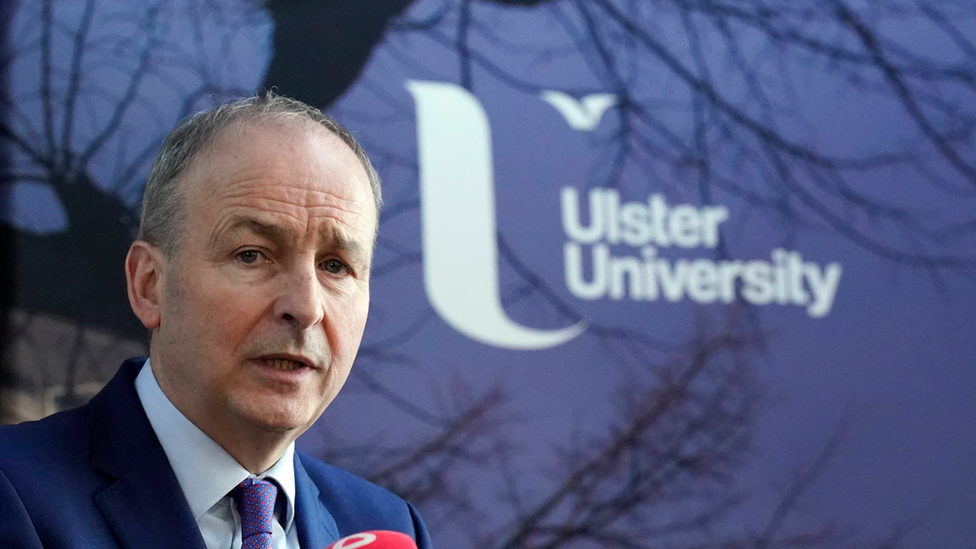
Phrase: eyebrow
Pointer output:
(279, 234)
(250, 224)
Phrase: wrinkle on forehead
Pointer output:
(286, 198)
(304, 208)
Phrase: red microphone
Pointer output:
(375, 539)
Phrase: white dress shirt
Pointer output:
(207, 473)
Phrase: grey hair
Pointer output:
(163, 212)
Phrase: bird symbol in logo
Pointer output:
(583, 114)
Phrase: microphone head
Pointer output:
(375, 539)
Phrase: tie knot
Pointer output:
(255, 499)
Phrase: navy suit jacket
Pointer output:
(97, 477)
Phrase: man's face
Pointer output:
(262, 310)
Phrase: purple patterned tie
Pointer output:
(255, 499)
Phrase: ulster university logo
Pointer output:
(460, 245)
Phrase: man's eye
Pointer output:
(333, 266)
(249, 256)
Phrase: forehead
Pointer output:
(295, 168)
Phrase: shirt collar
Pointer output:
(205, 471)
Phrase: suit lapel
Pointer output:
(147, 509)
(316, 526)
(145, 506)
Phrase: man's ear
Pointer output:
(143, 274)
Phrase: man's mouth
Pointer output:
(282, 364)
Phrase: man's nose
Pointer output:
(301, 297)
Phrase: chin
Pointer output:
(279, 419)
(282, 428)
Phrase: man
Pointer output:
(252, 273)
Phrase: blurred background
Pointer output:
(650, 273)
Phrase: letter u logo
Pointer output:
(457, 202)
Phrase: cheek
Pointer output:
(348, 319)
(218, 315)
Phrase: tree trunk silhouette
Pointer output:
(78, 273)
(320, 47)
